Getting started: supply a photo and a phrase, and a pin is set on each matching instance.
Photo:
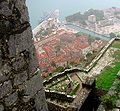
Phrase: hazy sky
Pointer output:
(66, 7)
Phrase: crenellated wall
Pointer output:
(21, 86)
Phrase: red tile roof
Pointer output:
(67, 50)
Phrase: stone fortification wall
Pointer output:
(21, 86)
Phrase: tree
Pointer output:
(78, 34)
(112, 35)
(57, 48)
(53, 64)
(91, 39)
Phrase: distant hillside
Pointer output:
(81, 18)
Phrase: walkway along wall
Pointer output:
(21, 86)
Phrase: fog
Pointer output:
(66, 7)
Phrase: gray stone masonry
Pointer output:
(21, 86)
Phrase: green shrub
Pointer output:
(109, 101)
(60, 69)
(118, 88)
(73, 92)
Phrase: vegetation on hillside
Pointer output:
(107, 77)
(81, 18)
(109, 101)
(116, 44)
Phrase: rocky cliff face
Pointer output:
(21, 86)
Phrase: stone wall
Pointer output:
(21, 86)
(59, 96)
(56, 107)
